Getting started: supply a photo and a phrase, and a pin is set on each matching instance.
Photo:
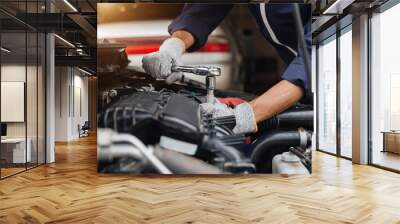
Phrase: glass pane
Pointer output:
(327, 97)
(13, 86)
(31, 97)
(385, 84)
(23, 82)
(41, 99)
(346, 94)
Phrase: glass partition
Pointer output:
(31, 97)
(327, 96)
(346, 93)
(15, 151)
(385, 89)
(41, 97)
(23, 88)
(32, 100)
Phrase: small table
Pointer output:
(16, 147)
(391, 141)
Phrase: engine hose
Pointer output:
(290, 119)
(179, 163)
(228, 152)
(273, 143)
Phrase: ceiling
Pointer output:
(73, 20)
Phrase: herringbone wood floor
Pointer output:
(70, 191)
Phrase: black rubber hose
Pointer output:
(230, 153)
(290, 119)
(273, 143)
(296, 119)
(179, 163)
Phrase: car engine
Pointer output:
(146, 126)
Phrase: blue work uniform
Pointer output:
(275, 21)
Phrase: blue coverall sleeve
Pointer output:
(296, 71)
(199, 20)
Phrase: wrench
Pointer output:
(209, 73)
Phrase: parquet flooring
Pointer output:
(10, 171)
(70, 191)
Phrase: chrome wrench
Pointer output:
(210, 74)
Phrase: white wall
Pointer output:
(33, 125)
(70, 83)
(80, 94)
(62, 81)
(82, 82)
(12, 73)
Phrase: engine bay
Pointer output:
(147, 126)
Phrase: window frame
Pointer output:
(335, 36)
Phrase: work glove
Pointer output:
(231, 101)
(158, 64)
(244, 115)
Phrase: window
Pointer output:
(346, 92)
(385, 88)
(327, 96)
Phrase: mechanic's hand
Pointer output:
(244, 115)
(159, 64)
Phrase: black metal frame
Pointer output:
(369, 92)
(316, 97)
(338, 98)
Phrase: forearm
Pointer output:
(186, 37)
(275, 100)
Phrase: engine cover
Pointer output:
(151, 115)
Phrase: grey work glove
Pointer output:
(159, 64)
(244, 115)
